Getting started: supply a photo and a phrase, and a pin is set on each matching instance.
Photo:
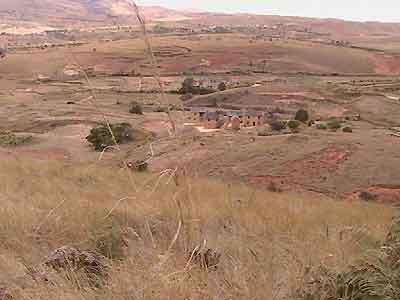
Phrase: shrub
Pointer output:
(367, 196)
(278, 125)
(273, 187)
(322, 126)
(293, 124)
(101, 137)
(347, 129)
(334, 125)
(135, 108)
(302, 115)
(8, 138)
(222, 86)
(188, 87)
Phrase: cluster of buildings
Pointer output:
(233, 119)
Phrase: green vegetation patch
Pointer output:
(101, 138)
(302, 115)
(293, 124)
(7, 138)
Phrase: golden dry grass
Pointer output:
(267, 240)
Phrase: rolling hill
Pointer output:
(80, 13)
(76, 13)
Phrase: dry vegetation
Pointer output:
(267, 241)
(178, 232)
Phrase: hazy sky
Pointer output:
(364, 10)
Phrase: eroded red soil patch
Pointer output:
(381, 194)
(309, 171)
(386, 64)
(318, 165)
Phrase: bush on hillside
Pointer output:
(135, 108)
(321, 126)
(334, 125)
(302, 115)
(347, 129)
(222, 86)
(188, 87)
(7, 138)
(101, 137)
(277, 125)
(366, 196)
(293, 124)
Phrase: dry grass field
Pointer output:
(266, 241)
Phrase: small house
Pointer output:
(253, 119)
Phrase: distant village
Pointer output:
(279, 31)
(226, 119)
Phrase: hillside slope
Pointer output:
(76, 12)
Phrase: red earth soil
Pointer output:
(381, 194)
(318, 164)
(386, 64)
(312, 168)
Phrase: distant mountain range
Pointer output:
(80, 13)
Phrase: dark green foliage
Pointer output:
(334, 125)
(188, 87)
(101, 137)
(367, 196)
(277, 125)
(347, 129)
(222, 86)
(322, 126)
(293, 124)
(302, 115)
(135, 108)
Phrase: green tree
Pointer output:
(187, 86)
(222, 86)
(302, 115)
